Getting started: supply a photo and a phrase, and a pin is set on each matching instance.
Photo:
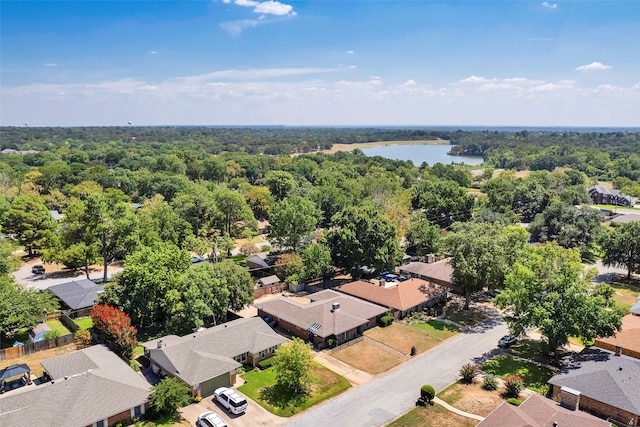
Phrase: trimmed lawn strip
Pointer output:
(57, 326)
(438, 329)
(84, 322)
(535, 377)
(402, 338)
(325, 384)
(435, 416)
(367, 357)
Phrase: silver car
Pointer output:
(210, 419)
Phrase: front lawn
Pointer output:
(625, 295)
(530, 349)
(535, 377)
(402, 338)
(259, 387)
(434, 416)
(367, 357)
(84, 322)
(58, 327)
(472, 397)
(438, 329)
(456, 313)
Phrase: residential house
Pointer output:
(261, 264)
(439, 272)
(38, 332)
(627, 339)
(77, 294)
(403, 297)
(538, 411)
(603, 195)
(322, 315)
(92, 387)
(208, 359)
(601, 383)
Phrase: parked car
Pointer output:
(196, 259)
(210, 419)
(507, 341)
(37, 269)
(232, 401)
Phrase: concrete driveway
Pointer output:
(256, 415)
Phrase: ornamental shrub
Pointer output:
(427, 392)
(514, 401)
(468, 372)
(386, 320)
(514, 384)
(490, 382)
(266, 363)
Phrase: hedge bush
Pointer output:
(490, 382)
(386, 320)
(514, 401)
(266, 363)
(468, 372)
(428, 392)
(514, 384)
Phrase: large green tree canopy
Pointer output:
(549, 290)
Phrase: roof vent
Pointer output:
(335, 306)
(160, 343)
(618, 350)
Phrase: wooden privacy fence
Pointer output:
(347, 344)
(33, 347)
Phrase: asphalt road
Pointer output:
(386, 398)
(56, 275)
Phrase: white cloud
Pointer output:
(234, 28)
(153, 52)
(274, 8)
(50, 64)
(352, 66)
(350, 52)
(548, 5)
(409, 83)
(594, 66)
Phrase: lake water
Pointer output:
(429, 153)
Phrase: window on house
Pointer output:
(101, 423)
(137, 411)
(241, 358)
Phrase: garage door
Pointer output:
(208, 387)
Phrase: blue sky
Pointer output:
(323, 62)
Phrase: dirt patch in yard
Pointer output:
(472, 398)
(368, 357)
(34, 359)
(401, 338)
(435, 416)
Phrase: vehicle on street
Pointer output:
(507, 341)
(210, 419)
(232, 401)
(37, 269)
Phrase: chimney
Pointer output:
(618, 349)
(160, 343)
(335, 306)
(555, 424)
(569, 398)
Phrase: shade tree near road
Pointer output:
(549, 290)
(621, 247)
(291, 220)
(31, 222)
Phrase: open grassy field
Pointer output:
(438, 329)
(349, 147)
(367, 357)
(259, 386)
(435, 416)
(402, 338)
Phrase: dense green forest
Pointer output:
(152, 196)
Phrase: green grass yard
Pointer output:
(84, 322)
(438, 329)
(58, 327)
(535, 377)
(325, 385)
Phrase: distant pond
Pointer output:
(419, 153)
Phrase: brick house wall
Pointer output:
(602, 410)
(627, 352)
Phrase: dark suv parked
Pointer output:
(37, 269)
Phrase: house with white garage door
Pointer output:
(208, 359)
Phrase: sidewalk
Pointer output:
(450, 408)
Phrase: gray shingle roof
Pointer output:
(77, 294)
(602, 376)
(209, 353)
(353, 312)
(108, 387)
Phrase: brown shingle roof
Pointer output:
(440, 270)
(353, 312)
(538, 411)
(403, 296)
(628, 337)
